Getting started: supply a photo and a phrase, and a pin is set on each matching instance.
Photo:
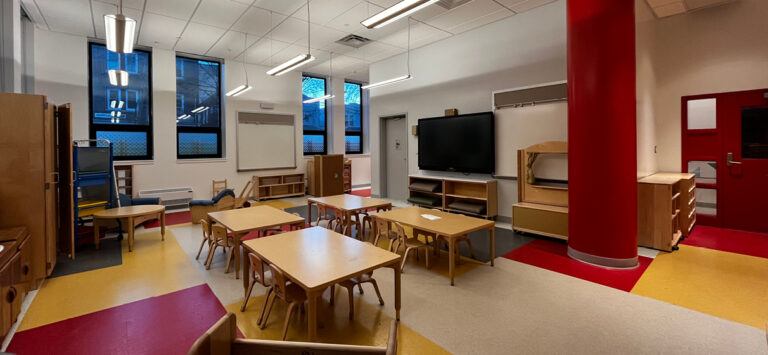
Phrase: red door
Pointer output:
(725, 143)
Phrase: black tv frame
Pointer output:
(493, 142)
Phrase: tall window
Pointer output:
(198, 108)
(314, 115)
(121, 114)
(353, 118)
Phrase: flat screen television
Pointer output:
(463, 143)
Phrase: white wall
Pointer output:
(462, 71)
(61, 73)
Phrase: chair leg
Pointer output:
(405, 257)
(333, 294)
(469, 244)
(211, 253)
(201, 249)
(351, 294)
(268, 311)
(230, 254)
(288, 314)
(264, 307)
(378, 294)
(426, 256)
(248, 294)
(360, 288)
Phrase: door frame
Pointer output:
(383, 149)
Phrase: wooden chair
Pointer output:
(350, 286)
(221, 339)
(323, 216)
(218, 185)
(383, 230)
(427, 237)
(291, 293)
(257, 275)
(220, 239)
(465, 238)
(409, 244)
(207, 239)
(273, 231)
(368, 220)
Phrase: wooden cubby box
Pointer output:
(276, 186)
(449, 190)
(666, 209)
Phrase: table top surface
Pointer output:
(129, 211)
(317, 257)
(350, 202)
(666, 178)
(253, 218)
(449, 224)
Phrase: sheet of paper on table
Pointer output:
(430, 217)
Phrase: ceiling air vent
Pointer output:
(354, 41)
(450, 4)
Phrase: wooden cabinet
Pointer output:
(467, 196)
(326, 175)
(274, 186)
(29, 175)
(666, 209)
(15, 274)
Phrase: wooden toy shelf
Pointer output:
(479, 193)
(275, 186)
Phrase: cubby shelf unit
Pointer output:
(277, 186)
(450, 190)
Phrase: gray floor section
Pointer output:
(87, 258)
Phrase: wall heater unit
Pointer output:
(175, 196)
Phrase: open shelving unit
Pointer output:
(449, 190)
(277, 186)
(666, 209)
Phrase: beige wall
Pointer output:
(719, 49)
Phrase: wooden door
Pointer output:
(66, 193)
(51, 187)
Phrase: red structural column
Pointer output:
(602, 133)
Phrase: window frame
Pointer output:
(313, 132)
(349, 133)
(218, 130)
(148, 129)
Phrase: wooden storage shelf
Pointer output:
(276, 186)
(347, 175)
(662, 218)
(480, 192)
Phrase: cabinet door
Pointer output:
(17, 290)
(25, 271)
(6, 299)
(64, 168)
(51, 188)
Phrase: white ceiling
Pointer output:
(666, 8)
(276, 29)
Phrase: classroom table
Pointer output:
(348, 205)
(241, 221)
(449, 225)
(317, 258)
(128, 213)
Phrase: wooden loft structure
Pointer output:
(542, 206)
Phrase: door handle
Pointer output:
(729, 160)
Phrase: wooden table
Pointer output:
(244, 220)
(129, 213)
(450, 226)
(347, 205)
(317, 258)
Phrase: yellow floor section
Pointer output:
(726, 285)
(370, 326)
(274, 203)
(153, 268)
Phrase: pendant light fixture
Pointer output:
(120, 31)
(118, 77)
(298, 60)
(395, 12)
(324, 97)
(407, 63)
(245, 87)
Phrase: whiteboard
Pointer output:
(521, 127)
(265, 141)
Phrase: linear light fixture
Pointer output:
(183, 117)
(239, 90)
(298, 60)
(328, 96)
(245, 87)
(205, 108)
(118, 77)
(395, 12)
(407, 63)
(120, 31)
(200, 109)
(116, 104)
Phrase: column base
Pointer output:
(613, 263)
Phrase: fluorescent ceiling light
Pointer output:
(120, 32)
(294, 63)
(199, 109)
(184, 116)
(387, 82)
(116, 104)
(395, 12)
(118, 77)
(321, 98)
(205, 108)
(120, 104)
(113, 113)
(239, 90)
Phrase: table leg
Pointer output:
(451, 257)
(130, 234)
(246, 271)
(309, 213)
(493, 244)
(162, 225)
(95, 232)
(348, 223)
(397, 290)
(312, 315)
(237, 256)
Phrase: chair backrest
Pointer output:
(400, 232)
(257, 268)
(278, 280)
(382, 225)
(206, 228)
(219, 232)
(417, 232)
(218, 185)
(218, 339)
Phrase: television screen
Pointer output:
(463, 143)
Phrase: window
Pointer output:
(314, 115)
(121, 114)
(198, 108)
(353, 118)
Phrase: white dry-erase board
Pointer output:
(265, 141)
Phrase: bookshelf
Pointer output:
(475, 197)
(276, 186)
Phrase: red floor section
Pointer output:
(730, 240)
(553, 256)
(363, 193)
(168, 324)
(171, 219)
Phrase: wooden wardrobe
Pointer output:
(35, 175)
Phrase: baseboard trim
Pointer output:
(612, 263)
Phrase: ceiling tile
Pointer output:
(230, 45)
(160, 31)
(72, 16)
(374, 51)
(100, 9)
(337, 48)
(197, 38)
(481, 21)
(529, 5)
(284, 7)
(324, 11)
(127, 4)
(256, 21)
(464, 13)
(179, 9)
(349, 21)
(421, 34)
(263, 50)
(290, 30)
(219, 13)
